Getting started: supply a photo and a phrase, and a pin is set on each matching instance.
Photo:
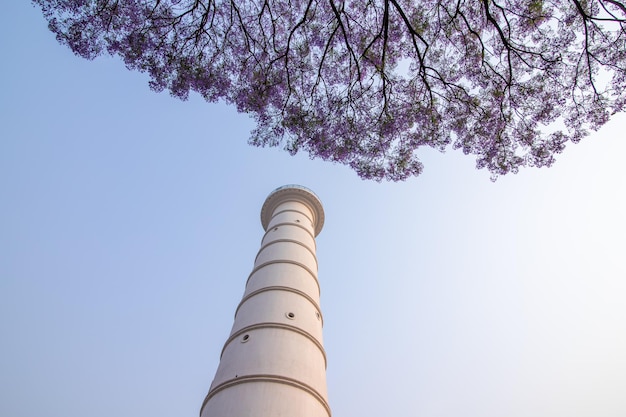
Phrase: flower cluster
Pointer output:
(368, 83)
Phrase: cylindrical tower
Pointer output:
(274, 364)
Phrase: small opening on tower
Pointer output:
(245, 338)
(297, 221)
(276, 228)
(290, 315)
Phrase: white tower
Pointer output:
(274, 364)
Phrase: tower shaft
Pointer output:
(273, 363)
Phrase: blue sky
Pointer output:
(129, 222)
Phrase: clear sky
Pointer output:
(129, 222)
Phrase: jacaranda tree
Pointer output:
(367, 83)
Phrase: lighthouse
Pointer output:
(273, 363)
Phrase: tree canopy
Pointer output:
(367, 83)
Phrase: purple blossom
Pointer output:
(367, 84)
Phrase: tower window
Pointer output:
(290, 315)
(245, 338)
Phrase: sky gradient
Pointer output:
(129, 222)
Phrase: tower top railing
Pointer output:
(292, 192)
